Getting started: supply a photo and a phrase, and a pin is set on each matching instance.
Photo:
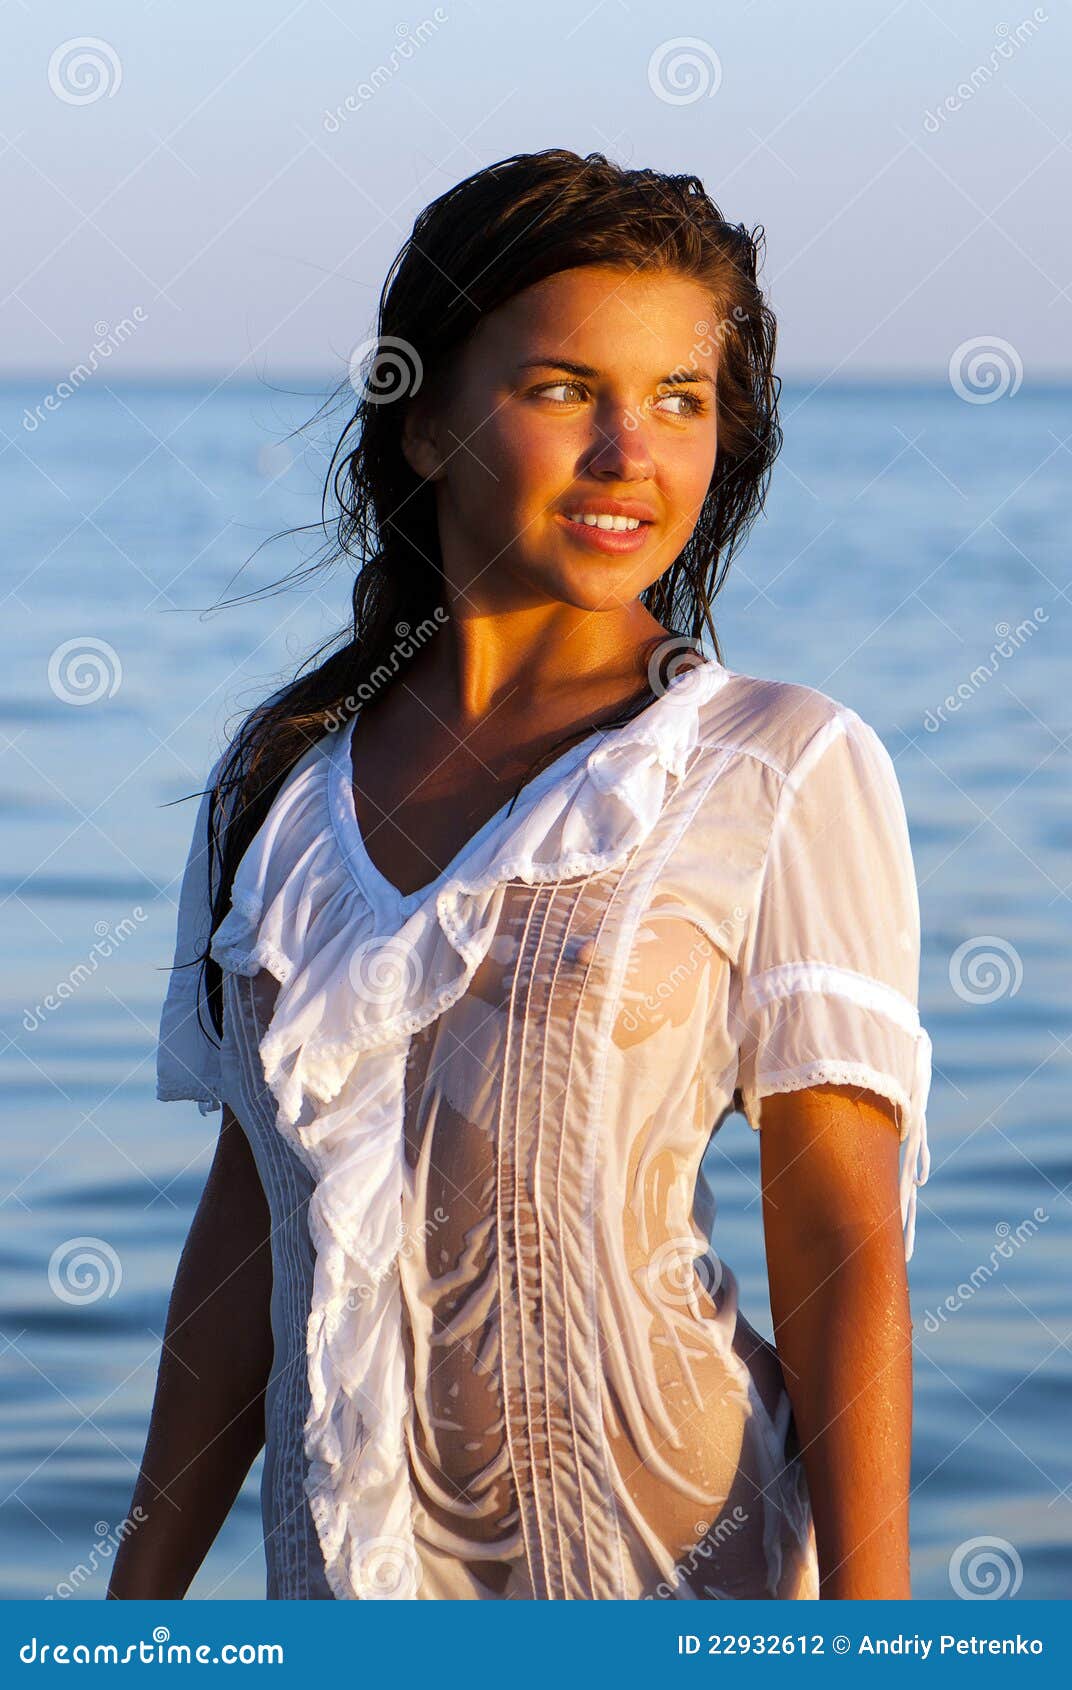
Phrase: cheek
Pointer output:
(684, 475)
(531, 465)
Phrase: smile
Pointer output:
(617, 524)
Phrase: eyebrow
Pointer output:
(677, 378)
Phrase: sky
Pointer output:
(220, 190)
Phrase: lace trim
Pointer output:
(168, 1092)
(251, 961)
(916, 1162)
(828, 1072)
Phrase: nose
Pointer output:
(620, 451)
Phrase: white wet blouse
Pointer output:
(509, 1362)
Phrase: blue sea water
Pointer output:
(913, 562)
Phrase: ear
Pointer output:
(421, 439)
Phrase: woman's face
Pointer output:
(565, 400)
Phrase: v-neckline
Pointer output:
(384, 896)
(382, 893)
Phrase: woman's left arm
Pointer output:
(839, 1299)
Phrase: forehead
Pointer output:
(616, 320)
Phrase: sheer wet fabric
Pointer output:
(510, 1362)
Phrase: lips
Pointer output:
(602, 506)
(608, 524)
(611, 540)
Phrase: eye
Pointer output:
(575, 385)
(696, 406)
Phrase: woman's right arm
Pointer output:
(207, 1423)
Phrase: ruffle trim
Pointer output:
(334, 1057)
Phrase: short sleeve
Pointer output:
(188, 1057)
(829, 977)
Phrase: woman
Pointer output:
(477, 1003)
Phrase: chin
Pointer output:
(593, 596)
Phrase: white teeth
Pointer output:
(619, 524)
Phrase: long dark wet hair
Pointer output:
(498, 232)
